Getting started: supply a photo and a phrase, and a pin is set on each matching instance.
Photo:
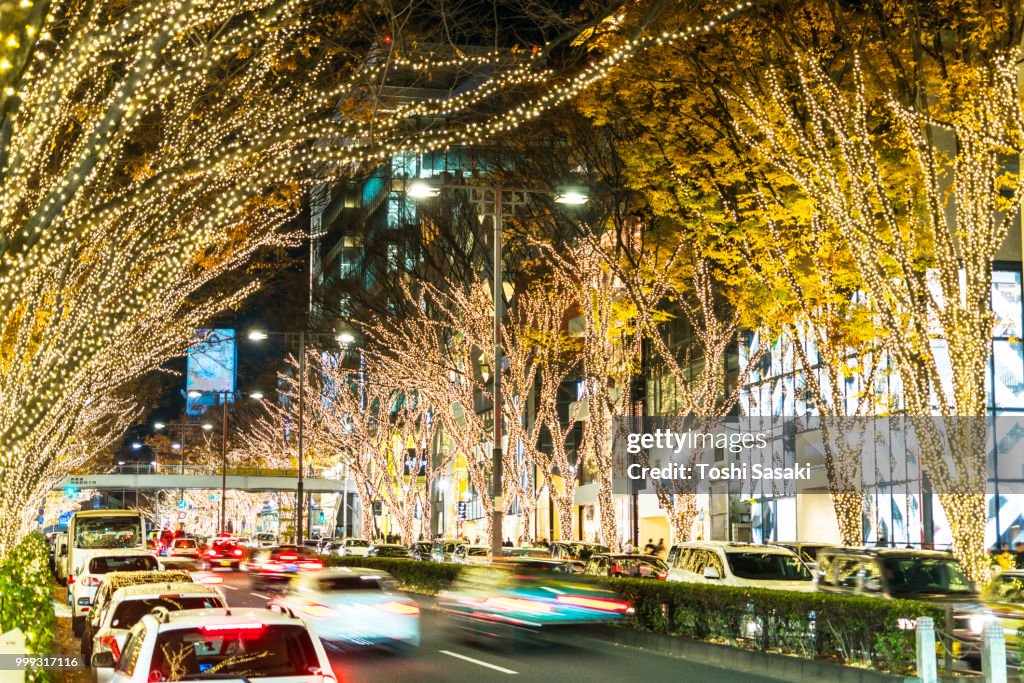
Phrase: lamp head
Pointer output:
(573, 195)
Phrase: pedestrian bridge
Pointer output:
(202, 478)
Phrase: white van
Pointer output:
(97, 532)
(746, 565)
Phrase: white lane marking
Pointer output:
(260, 595)
(224, 585)
(477, 661)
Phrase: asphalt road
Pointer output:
(444, 656)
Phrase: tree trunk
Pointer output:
(563, 508)
(682, 514)
(606, 510)
(849, 509)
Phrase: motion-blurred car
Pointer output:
(472, 554)
(807, 552)
(388, 550)
(249, 645)
(83, 588)
(540, 553)
(420, 551)
(1002, 602)
(627, 566)
(114, 581)
(129, 604)
(523, 597)
(279, 564)
(575, 550)
(223, 552)
(745, 565)
(352, 606)
(264, 539)
(927, 575)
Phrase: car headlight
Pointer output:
(976, 623)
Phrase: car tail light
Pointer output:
(662, 576)
(312, 565)
(405, 609)
(95, 580)
(71, 579)
(211, 553)
(601, 604)
(220, 628)
(109, 642)
(288, 557)
(237, 552)
(317, 610)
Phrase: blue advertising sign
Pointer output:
(64, 519)
(211, 364)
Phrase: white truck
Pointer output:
(97, 532)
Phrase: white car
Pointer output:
(129, 604)
(250, 644)
(354, 547)
(746, 565)
(184, 547)
(87, 579)
(472, 554)
(352, 606)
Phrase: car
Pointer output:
(388, 550)
(420, 550)
(183, 547)
(442, 549)
(575, 550)
(128, 604)
(265, 539)
(745, 565)
(82, 586)
(323, 542)
(117, 580)
(631, 566)
(281, 563)
(526, 552)
(1001, 602)
(808, 552)
(926, 575)
(472, 554)
(353, 547)
(353, 606)
(246, 644)
(521, 598)
(223, 552)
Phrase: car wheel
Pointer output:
(78, 626)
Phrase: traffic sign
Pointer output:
(64, 519)
(181, 514)
(182, 505)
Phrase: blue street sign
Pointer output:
(64, 519)
(182, 505)
(40, 519)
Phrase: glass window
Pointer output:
(129, 612)
(914, 575)
(108, 532)
(129, 563)
(768, 566)
(1006, 303)
(848, 571)
(1008, 371)
(826, 570)
(126, 664)
(249, 650)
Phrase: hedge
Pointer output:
(26, 599)
(429, 578)
(859, 630)
(851, 629)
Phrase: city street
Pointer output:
(444, 656)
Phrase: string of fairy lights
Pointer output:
(102, 243)
(925, 273)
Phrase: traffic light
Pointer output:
(70, 491)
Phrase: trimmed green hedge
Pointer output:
(412, 575)
(857, 630)
(26, 599)
(852, 629)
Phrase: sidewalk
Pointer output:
(65, 642)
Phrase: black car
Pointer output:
(388, 550)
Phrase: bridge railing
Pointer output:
(169, 468)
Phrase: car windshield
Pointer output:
(391, 551)
(357, 543)
(906, 575)
(349, 583)
(108, 532)
(582, 551)
(252, 650)
(478, 551)
(768, 566)
(127, 563)
(129, 612)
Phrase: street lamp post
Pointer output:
(573, 195)
(344, 339)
